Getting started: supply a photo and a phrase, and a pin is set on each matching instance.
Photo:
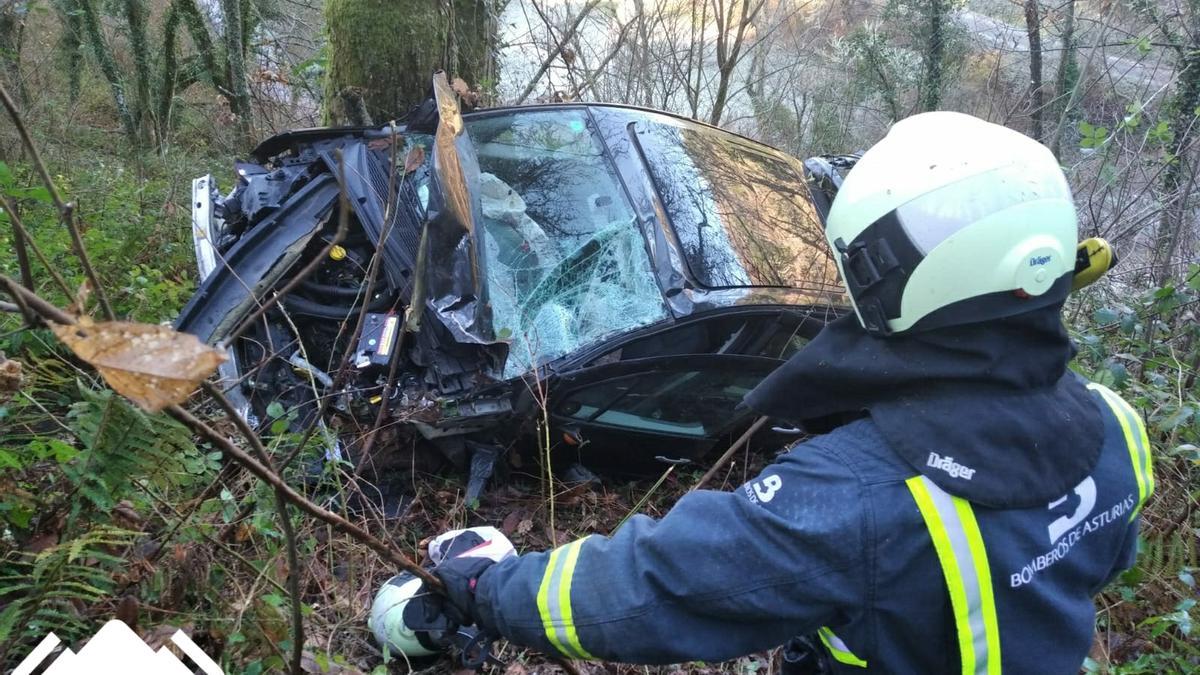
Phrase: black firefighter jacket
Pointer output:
(843, 539)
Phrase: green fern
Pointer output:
(41, 592)
(1164, 557)
(120, 442)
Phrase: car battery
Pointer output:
(378, 340)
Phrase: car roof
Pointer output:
(279, 142)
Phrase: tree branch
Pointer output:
(65, 210)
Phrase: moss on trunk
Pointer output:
(387, 50)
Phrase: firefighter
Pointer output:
(963, 499)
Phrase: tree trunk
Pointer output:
(239, 86)
(386, 52)
(135, 17)
(90, 22)
(12, 28)
(1033, 26)
(1181, 171)
(1065, 80)
(170, 69)
(935, 54)
(197, 28)
(71, 44)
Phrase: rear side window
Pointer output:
(695, 403)
(744, 217)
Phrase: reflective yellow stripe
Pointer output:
(941, 544)
(1136, 440)
(963, 558)
(841, 653)
(565, 599)
(983, 571)
(543, 601)
(554, 601)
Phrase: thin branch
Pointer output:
(554, 53)
(19, 245)
(49, 312)
(19, 230)
(285, 523)
(742, 440)
(65, 210)
(45, 311)
(388, 551)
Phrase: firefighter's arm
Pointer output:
(721, 575)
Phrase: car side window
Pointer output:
(770, 336)
(695, 402)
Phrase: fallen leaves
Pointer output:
(153, 366)
(10, 378)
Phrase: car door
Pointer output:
(631, 415)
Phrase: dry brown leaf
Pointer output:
(414, 159)
(10, 377)
(380, 143)
(510, 522)
(79, 305)
(470, 98)
(153, 366)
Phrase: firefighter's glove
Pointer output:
(409, 618)
(460, 558)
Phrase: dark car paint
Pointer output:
(449, 340)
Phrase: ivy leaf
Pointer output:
(1180, 416)
(275, 409)
(9, 460)
(1105, 377)
(1188, 451)
(153, 366)
(1120, 374)
(1106, 315)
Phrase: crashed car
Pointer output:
(604, 279)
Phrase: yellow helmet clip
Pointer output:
(1093, 257)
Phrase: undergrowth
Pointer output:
(1146, 345)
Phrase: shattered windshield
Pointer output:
(566, 263)
(743, 217)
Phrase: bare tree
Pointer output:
(1033, 27)
(732, 17)
(1067, 76)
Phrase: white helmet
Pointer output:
(951, 220)
(387, 618)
